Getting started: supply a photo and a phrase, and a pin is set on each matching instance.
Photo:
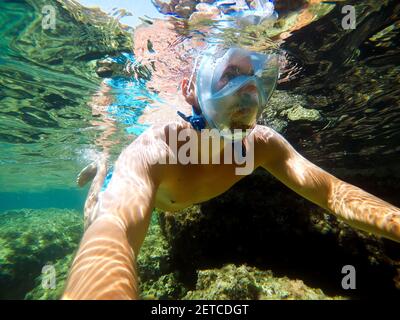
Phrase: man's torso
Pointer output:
(181, 185)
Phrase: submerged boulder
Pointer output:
(248, 283)
(32, 239)
(158, 278)
(351, 76)
(262, 223)
(285, 107)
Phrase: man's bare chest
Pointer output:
(183, 186)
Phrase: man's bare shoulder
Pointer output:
(264, 135)
(159, 132)
(269, 144)
(152, 144)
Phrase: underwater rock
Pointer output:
(32, 239)
(248, 283)
(154, 257)
(262, 223)
(297, 113)
(166, 287)
(156, 274)
(286, 106)
(357, 74)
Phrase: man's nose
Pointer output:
(250, 88)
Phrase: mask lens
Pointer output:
(236, 106)
(268, 75)
(234, 87)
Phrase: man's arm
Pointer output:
(349, 203)
(105, 265)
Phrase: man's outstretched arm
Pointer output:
(105, 265)
(358, 208)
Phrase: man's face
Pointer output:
(240, 107)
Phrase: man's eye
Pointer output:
(232, 73)
(235, 72)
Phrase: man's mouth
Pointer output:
(243, 118)
(246, 108)
(241, 113)
(240, 126)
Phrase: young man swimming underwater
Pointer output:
(229, 91)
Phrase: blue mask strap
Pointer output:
(196, 120)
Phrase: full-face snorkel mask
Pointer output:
(233, 87)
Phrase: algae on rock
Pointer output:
(30, 240)
(248, 283)
(153, 259)
(61, 268)
(260, 222)
(157, 279)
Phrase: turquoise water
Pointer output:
(53, 198)
(48, 131)
(68, 94)
(47, 81)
